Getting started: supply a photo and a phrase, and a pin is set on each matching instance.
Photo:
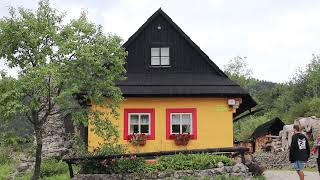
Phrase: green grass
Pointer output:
(51, 169)
(6, 169)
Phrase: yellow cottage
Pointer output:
(175, 96)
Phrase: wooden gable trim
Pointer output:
(185, 36)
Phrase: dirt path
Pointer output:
(289, 175)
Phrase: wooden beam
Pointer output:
(247, 114)
(159, 153)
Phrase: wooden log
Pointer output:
(272, 136)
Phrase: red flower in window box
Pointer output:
(182, 139)
(138, 139)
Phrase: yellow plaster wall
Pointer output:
(214, 121)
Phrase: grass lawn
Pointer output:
(51, 169)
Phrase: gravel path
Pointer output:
(289, 175)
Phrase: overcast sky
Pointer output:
(276, 36)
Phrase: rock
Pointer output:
(22, 167)
(163, 174)
(242, 171)
(235, 169)
(228, 169)
(220, 164)
(238, 159)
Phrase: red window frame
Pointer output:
(126, 122)
(193, 111)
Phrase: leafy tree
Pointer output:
(61, 65)
(237, 70)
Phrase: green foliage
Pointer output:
(7, 139)
(227, 177)
(164, 163)
(191, 162)
(244, 128)
(123, 165)
(65, 66)
(4, 155)
(78, 145)
(6, 169)
(258, 178)
(51, 167)
(58, 61)
(299, 97)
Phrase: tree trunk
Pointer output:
(36, 174)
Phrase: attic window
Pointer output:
(160, 56)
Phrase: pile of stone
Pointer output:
(280, 160)
(26, 165)
(237, 170)
(310, 126)
(274, 144)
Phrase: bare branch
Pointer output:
(31, 59)
(62, 110)
(29, 118)
(72, 55)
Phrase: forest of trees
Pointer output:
(298, 97)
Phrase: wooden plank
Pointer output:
(271, 136)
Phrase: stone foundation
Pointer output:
(236, 170)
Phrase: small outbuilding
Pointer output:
(263, 132)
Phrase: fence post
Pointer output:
(243, 161)
(70, 169)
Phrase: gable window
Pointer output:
(139, 121)
(160, 56)
(181, 121)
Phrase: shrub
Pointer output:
(51, 167)
(191, 162)
(123, 165)
(164, 163)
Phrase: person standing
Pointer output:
(299, 151)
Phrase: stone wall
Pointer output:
(236, 170)
(55, 139)
(280, 160)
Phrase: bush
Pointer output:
(244, 128)
(51, 167)
(191, 162)
(123, 165)
(164, 163)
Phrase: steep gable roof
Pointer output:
(168, 82)
(159, 12)
(274, 126)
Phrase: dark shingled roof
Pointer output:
(182, 84)
(274, 126)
